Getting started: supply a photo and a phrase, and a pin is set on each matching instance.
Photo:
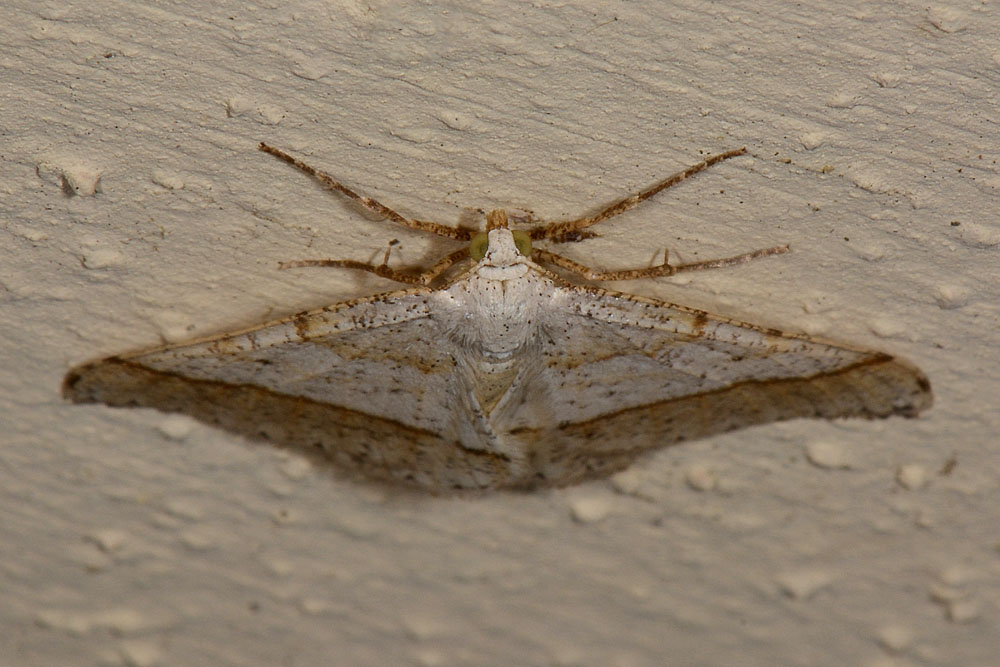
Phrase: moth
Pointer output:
(497, 368)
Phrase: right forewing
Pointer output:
(624, 374)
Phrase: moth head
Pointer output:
(480, 244)
(497, 219)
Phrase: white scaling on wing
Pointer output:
(496, 372)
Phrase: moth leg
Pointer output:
(566, 230)
(383, 270)
(664, 269)
(729, 261)
(372, 205)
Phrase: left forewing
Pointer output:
(367, 383)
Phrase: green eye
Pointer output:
(522, 241)
(481, 242)
(477, 248)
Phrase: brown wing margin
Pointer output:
(358, 445)
(877, 387)
(376, 448)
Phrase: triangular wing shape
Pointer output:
(376, 387)
(623, 374)
(506, 376)
(368, 385)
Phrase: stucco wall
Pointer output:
(135, 209)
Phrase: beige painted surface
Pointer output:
(132, 538)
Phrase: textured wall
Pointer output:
(136, 208)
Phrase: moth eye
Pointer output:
(522, 242)
(477, 248)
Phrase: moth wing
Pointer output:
(622, 374)
(366, 384)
